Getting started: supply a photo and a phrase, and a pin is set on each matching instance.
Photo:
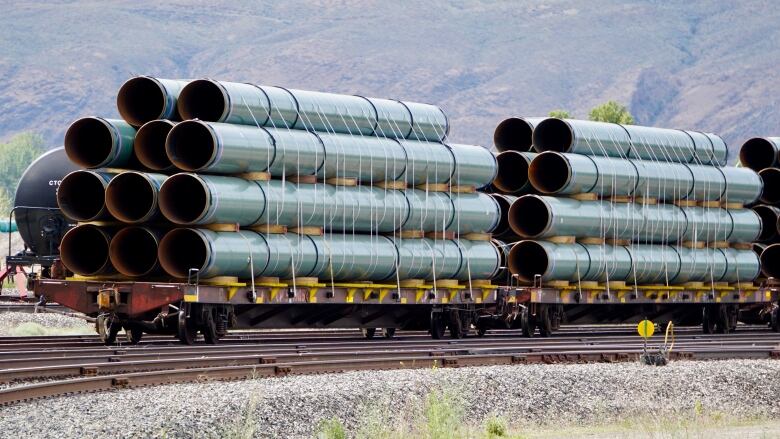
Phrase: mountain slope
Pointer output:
(695, 65)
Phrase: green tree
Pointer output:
(15, 156)
(560, 114)
(611, 112)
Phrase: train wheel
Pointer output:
(544, 320)
(107, 328)
(388, 332)
(708, 319)
(722, 324)
(368, 333)
(186, 331)
(438, 325)
(527, 322)
(775, 323)
(455, 324)
(481, 330)
(209, 328)
(134, 335)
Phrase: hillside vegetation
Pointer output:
(696, 65)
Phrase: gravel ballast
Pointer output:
(21, 323)
(294, 406)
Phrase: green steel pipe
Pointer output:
(213, 254)
(503, 276)
(629, 141)
(81, 195)
(534, 217)
(760, 153)
(747, 225)
(701, 265)
(84, 250)
(428, 259)
(743, 185)
(133, 251)
(220, 148)
(144, 98)
(770, 218)
(357, 257)
(515, 134)
(659, 144)
(336, 257)
(557, 173)
(640, 264)
(149, 145)
(481, 260)
(742, 265)
(367, 159)
(512, 175)
(94, 142)
(191, 199)
(236, 103)
(770, 192)
(131, 196)
(475, 212)
(474, 165)
(720, 151)
(581, 137)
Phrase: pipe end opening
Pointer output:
(513, 134)
(202, 99)
(512, 176)
(140, 100)
(757, 154)
(549, 172)
(149, 144)
(88, 142)
(529, 216)
(84, 250)
(770, 193)
(180, 250)
(133, 251)
(527, 259)
(553, 135)
(191, 145)
(183, 198)
(131, 197)
(81, 196)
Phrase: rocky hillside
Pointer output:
(696, 65)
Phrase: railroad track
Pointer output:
(78, 364)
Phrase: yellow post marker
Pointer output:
(645, 328)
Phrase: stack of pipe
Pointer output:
(210, 177)
(593, 201)
(762, 154)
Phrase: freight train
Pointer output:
(215, 205)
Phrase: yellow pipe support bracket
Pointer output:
(313, 294)
(351, 294)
